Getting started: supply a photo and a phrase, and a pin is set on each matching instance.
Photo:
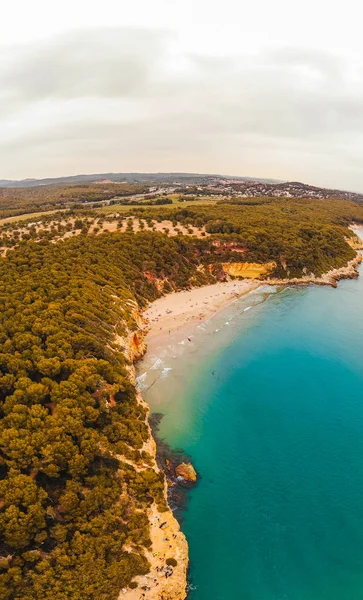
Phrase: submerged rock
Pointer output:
(186, 471)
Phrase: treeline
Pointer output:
(145, 202)
(20, 201)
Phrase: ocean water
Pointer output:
(267, 399)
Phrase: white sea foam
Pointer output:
(164, 372)
(157, 364)
(141, 381)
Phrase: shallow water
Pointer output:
(269, 403)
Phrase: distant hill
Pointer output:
(245, 187)
(179, 178)
(288, 189)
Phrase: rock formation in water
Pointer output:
(186, 471)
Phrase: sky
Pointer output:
(260, 89)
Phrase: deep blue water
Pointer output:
(271, 412)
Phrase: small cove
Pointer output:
(267, 399)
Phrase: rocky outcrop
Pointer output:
(133, 342)
(137, 346)
(355, 242)
(187, 472)
(159, 283)
(331, 278)
(133, 345)
(248, 270)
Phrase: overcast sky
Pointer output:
(261, 88)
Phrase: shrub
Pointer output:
(171, 562)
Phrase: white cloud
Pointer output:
(265, 90)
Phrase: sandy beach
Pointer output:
(175, 311)
(178, 310)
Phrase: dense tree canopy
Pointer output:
(19, 201)
(300, 235)
(68, 505)
(75, 479)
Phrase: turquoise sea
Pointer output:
(267, 399)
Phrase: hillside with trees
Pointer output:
(19, 201)
(75, 479)
(70, 421)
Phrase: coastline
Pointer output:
(170, 541)
(176, 312)
(184, 310)
(291, 325)
(166, 542)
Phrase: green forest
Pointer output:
(69, 504)
(19, 201)
(300, 235)
(71, 428)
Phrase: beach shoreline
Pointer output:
(180, 313)
(184, 310)
(167, 541)
(192, 396)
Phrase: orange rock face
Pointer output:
(187, 471)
